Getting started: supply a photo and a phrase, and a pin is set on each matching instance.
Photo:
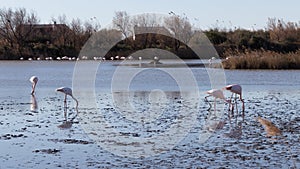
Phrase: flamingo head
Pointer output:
(65, 90)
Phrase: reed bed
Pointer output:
(262, 60)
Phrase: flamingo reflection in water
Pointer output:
(33, 104)
(236, 130)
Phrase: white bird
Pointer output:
(217, 94)
(68, 91)
(130, 57)
(34, 81)
(211, 61)
(236, 89)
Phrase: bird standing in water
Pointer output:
(34, 81)
(270, 128)
(236, 89)
(216, 93)
(68, 91)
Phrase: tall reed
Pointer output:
(261, 59)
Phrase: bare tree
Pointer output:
(149, 30)
(6, 29)
(181, 28)
(121, 22)
(100, 43)
(11, 29)
(146, 20)
(78, 37)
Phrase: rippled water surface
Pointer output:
(156, 120)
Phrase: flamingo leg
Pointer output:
(236, 106)
(65, 108)
(208, 103)
(232, 106)
(32, 89)
(215, 105)
(243, 107)
(230, 101)
(229, 114)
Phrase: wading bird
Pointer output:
(236, 89)
(34, 81)
(67, 91)
(217, 94)
(270, 128)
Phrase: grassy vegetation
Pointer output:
(262, 60)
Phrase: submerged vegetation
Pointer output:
(22, 36)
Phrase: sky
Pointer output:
(252, 14)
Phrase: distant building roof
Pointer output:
(43, 32)
(42, 27)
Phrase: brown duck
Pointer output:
(270, 128)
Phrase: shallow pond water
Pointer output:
(156, 123)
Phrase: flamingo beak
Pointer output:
(59, 90)
(227, 88)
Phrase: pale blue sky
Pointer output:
(229, 13)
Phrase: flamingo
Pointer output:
(68, 91)
(34, 81)
(236, 89)
(217, 94)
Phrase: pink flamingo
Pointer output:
(34, 81)
(217, 94)
(236, 89)
(68, 91)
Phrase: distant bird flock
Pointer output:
(67, 58)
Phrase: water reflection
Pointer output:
(33, 104)
(229, 126)
(236, 131)
(65, 125)
(143, 106)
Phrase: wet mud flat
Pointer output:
(32, 139)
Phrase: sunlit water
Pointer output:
(32, 138)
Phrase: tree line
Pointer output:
(22, 35)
